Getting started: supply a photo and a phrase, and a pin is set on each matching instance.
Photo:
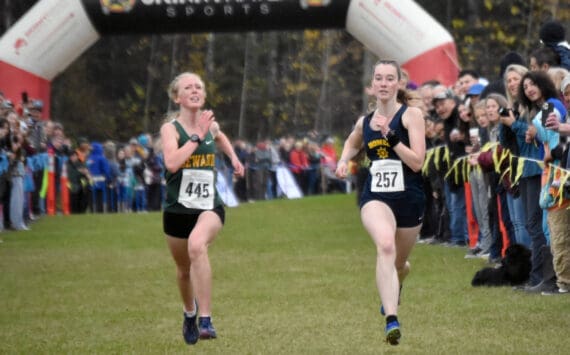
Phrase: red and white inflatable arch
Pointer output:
(55, 32)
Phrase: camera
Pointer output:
(503, 111)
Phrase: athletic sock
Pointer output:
(391, 318)
(190, 314)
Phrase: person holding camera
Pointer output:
(512, 78)
(535, 89)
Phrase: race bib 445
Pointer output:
(197, 189)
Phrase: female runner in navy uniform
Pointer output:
(193, 213)
(392, 200)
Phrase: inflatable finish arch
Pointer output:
(55, 32)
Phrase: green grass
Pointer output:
(290, 277)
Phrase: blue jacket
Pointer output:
(533, 150)
(98, 166)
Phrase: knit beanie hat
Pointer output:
(552, 32)
(508, 59)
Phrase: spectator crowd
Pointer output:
(496, 170)
(98, 177)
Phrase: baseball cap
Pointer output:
(37, 105)
(475, 90)
(447, 94)
(143, 140)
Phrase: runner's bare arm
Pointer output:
(351, 147)
(223, 143)
(414, 155)
(174, 156)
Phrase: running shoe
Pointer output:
(207, 330)
(189, 327)
(190, 330)
(393, 333)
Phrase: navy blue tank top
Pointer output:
(378, 148)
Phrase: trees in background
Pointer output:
(259, 84)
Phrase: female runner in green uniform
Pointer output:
(193, 212)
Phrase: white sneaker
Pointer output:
(483, 255)
(556, 291)
(473, 253)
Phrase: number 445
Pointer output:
(198, 189)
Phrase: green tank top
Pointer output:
(197, 176)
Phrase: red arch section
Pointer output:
(19, 80)
(438, 57)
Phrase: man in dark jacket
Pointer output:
(455, 133)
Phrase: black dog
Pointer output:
(514, 269)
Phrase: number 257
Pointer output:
(386, 179)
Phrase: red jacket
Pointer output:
(298, 161)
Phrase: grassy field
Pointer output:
(290, 277)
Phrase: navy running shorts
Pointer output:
(408, 212)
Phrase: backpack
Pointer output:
(555, 191)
